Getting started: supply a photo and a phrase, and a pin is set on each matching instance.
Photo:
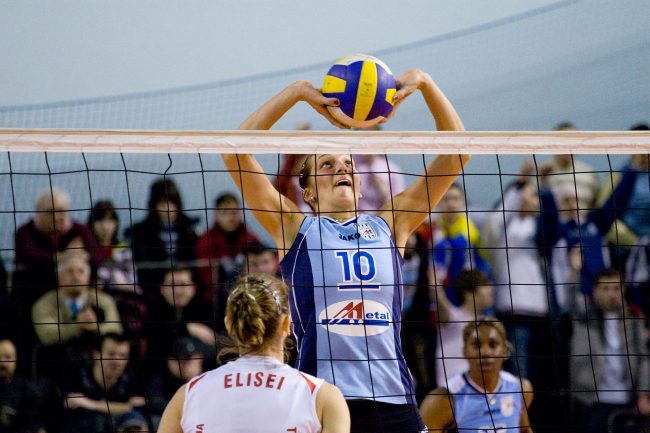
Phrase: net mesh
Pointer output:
(521, 222)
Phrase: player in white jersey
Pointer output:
(258, 391)
(332, 306)
(485, 399)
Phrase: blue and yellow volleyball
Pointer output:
(365, 88)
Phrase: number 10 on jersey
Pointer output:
(358, 270)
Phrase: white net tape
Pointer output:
(357, 142)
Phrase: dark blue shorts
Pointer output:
(377, 417)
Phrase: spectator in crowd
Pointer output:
(220, 249)
(521, 298)
(477, 295)
(176, 313)
(575, 251)
(568, 172)
(634, 224)
(165, 237)
(184, 362)
(40, 244)
(457, 243)
(20, 401)
(610, 368)
(115, 272)
(100, 397)
(575, 246)
(381, 179)
(637, 218)
(258, 258)
(114, 258)
(70, 319)
(484, 398)
(418, 332)
(74, 309)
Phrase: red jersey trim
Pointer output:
(311, 384)
(195, 381)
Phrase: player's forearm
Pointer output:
(441, 173)
(247, 173)
(447, 119)
(269, 113)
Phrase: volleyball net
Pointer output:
(545, 219)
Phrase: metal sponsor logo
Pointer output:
(356, 318)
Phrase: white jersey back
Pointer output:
(253, 393)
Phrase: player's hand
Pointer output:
(407, 83)
(315, 98)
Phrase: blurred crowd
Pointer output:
(101, 325)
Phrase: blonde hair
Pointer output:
(255, 307)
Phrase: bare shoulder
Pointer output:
(527, 390)
(332, 409)
(171, 418)
(436, 396)
(437, 410)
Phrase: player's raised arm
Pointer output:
(277, 214)
(407, 210)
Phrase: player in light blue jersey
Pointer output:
(485, 399)
(344, 268)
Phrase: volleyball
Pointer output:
(365, 87)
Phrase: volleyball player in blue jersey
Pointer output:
(344, 268)
(485, 398)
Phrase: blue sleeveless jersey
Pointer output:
(477, 412)
(345, 297)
